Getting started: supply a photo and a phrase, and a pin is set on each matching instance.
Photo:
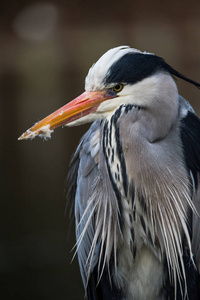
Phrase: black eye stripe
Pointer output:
(132, 68)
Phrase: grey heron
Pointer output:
(135, 179)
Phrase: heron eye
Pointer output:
(118, 88)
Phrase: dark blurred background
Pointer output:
(46, 49)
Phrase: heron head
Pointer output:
(123, 75)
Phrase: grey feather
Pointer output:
(196, 230)
(92, 196)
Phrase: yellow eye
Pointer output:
(118, 88)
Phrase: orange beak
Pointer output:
(85, 104)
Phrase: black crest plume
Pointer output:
(134, 67)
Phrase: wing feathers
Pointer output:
(190, 136)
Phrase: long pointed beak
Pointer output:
(85, 104)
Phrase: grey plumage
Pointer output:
(97, 209)
(142, 206)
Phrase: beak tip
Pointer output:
(28, 134)
(44, 132)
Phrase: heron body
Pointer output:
(135, 180)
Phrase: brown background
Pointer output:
(46, 49)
